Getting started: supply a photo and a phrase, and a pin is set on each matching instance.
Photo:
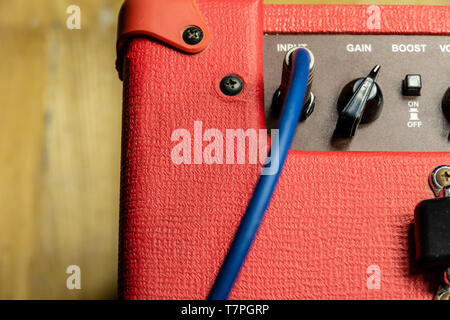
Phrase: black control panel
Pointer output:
(371, 92)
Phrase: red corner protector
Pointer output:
(163, 20)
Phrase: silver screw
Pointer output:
(439, 181)
(443, 293)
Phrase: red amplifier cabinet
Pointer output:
(337, 217)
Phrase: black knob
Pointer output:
(360, 101)
(446, 105)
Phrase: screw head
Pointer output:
(443, 293)
(231, 85)
(443, 177)
(439, 179)
(193, 35)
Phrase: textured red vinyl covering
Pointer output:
(333, 214)
(353, 19)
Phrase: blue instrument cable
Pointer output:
(245, 235)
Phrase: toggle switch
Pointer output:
(360, 101)
(412, 85)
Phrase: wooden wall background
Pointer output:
(60, 103)
(60, 122)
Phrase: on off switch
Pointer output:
(412, 85)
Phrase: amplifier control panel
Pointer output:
(407, 110)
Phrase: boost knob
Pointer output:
(446, 105)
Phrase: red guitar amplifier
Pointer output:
(340, 223)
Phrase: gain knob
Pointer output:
(360, 101)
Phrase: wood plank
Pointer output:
(60, 150)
